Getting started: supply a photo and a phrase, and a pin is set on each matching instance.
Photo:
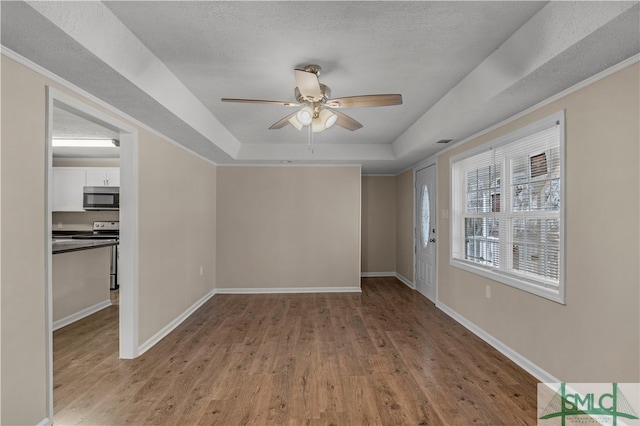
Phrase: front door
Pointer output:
(426, 232)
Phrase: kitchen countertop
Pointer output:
(65, 245)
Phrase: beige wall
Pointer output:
(404, 225)
(288, 227)
(378, 224)
(177, 198)
(595, 337)
(175, 189)
(22, 246)
(177, 208)
(80, 280)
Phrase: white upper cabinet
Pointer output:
(67, 189)
(113, 176)
(68, 183)
(102, 176)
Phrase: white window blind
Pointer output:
(507, 209)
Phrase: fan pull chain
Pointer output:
(310, 145)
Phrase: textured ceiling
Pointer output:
(67, 125)
(460, 66)
(249, 50)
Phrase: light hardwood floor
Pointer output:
(386, 356)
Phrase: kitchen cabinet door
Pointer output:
(96, 176)
(103, 176)
(113, 176)
(67, 189)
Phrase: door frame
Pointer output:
(128, 332)
(429, 161)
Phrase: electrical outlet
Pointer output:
(59, 225)
(201, 270)
(488, 292)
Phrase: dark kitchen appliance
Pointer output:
(106, 231)
(101, 198)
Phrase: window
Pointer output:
(507, 214)
(426, 221)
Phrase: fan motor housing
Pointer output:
(313, 68)
(326, 94)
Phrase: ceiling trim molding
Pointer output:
(88, 96)
(584, 83)
(321, 152)
(432, 160)
(557, 28)
(359, 166)
(126, 54)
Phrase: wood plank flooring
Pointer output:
(386, 356)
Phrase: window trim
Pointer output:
(556, 295)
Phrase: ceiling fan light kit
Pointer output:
(317, 125)
(305, 115)
(317, 107)
(295, 122)
(328, 118)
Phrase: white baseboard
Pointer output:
(514, 356)
(405, 281)
(389, 274)
(80, 314)
(377, 274)
(276, 290)
(44, 422)
(173, 324)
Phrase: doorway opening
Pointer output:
(63, 113)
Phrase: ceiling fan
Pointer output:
(318, 109)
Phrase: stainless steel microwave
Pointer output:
(101, 198)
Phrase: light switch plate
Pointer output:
(445, 214)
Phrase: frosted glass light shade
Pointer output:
(328, 118)
(305, 116)
(295, 123)
(317, 125)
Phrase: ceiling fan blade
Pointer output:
(308, 85)
(260, 101)
(365, 101)
(347, 122)
(282, 122)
